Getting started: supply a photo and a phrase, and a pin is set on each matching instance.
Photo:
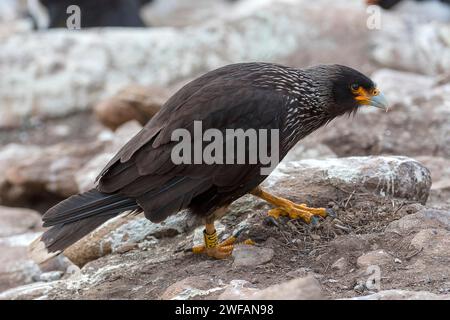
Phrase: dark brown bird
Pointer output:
(388, 4)
(143, 177)
(99, 13)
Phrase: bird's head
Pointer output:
(348, 90)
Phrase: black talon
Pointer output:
(331, 212)
(271, 221)
(314, 221)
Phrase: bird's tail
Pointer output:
(75, 217)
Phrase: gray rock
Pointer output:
(307, 288)
(15, 267)
(16, 221)
(298, 289)
(433, 243)
(441, 217)
(400, 86)
(251, 256)
(51, 276)
(398, 177)
(374, 258)
(36, 291)
(403, 295)
(425, 237)
(424, 219)
(412, 45)
(238, 290)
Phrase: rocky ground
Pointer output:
(386, 175)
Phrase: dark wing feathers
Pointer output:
(172, 105)
(143, 168)
(142, 175)
(174, 198)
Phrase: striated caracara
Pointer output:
(143, 177)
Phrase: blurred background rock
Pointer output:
(69, 99)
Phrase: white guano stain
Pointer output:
(356, 170)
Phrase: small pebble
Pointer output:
(291, 226)
(339, 264)
(315, 236)
(332, 280)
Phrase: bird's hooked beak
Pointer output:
(374, 98)
(379, 101)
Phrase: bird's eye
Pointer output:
(354, 87)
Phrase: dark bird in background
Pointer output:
(388, 4)
(142, 177)
(96, 13)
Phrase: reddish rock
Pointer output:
(133, 102)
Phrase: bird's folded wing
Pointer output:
(144, 170)
(227, 107)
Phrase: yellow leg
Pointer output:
(212, 247)
(288, 208)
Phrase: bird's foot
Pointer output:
(284, 207)
(301, 211)
(217, 250)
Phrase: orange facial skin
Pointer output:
(363, 96)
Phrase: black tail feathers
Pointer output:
(75, 217)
